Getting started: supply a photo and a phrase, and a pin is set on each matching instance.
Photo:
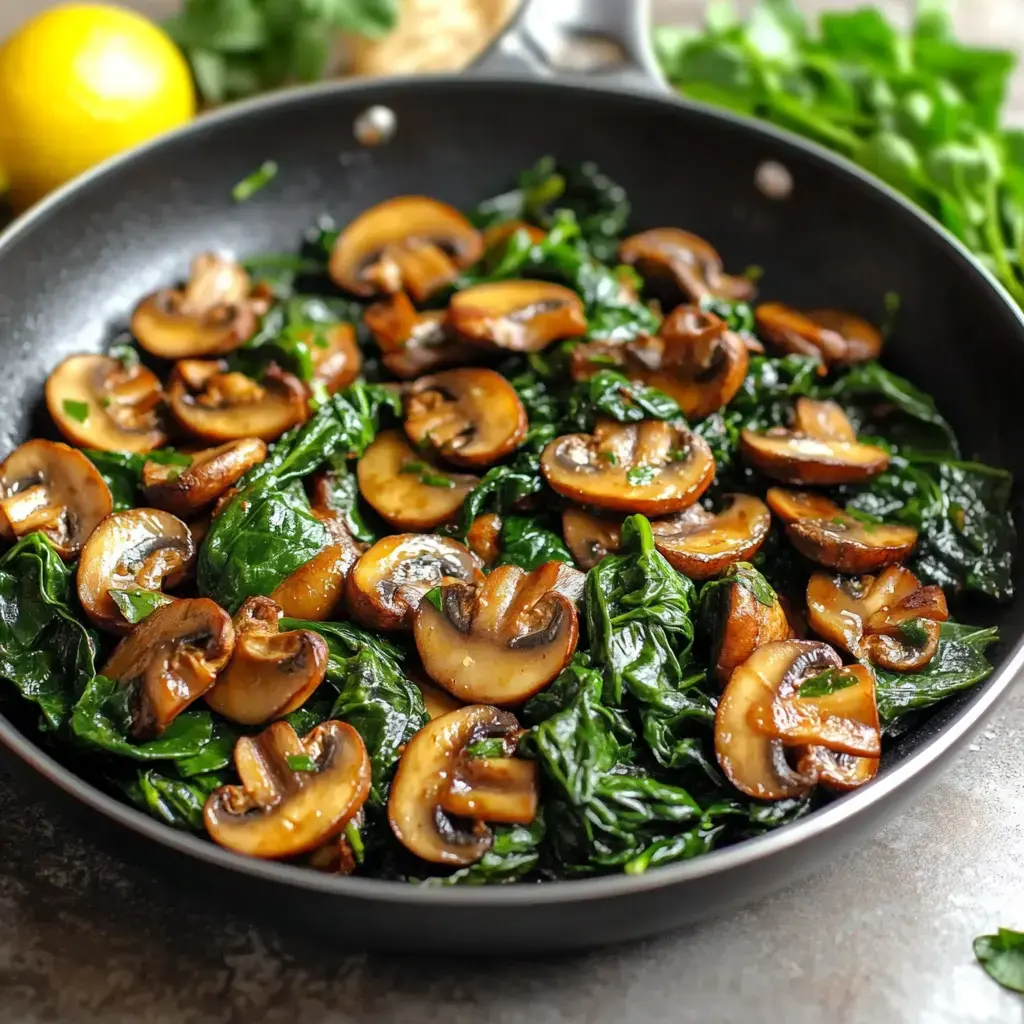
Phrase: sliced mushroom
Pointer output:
(211, 315)
(141, 549)
(388, 582)
(50, 487)
(187, 490)
(821, 531)
(336, 357)
(502, 789)
(283, 807)
(412, 343)
(835, 771)
(821, 449)
(682, 265)
(483, 537)
(521, 316)
(700, 544)
(498, 234)
(694, 359)
(270, 674)
(471, 417)
(653, 467)
(423, 778)
(170, 659)
(435, 700)
(406, 489)
(216, 405)
(501, 640)
(409, 241)
(590, 537)
(763, 711)
(890, 619)
(97, 402)
(833, 337)
(739, 614)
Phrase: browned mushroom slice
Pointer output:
(521, 316)
(170, 659)
(890, 619)
(211, 315)
(833, 337)
(413, 343)
(483, 537)
(435, 700)
(410, 492)
(501, 640)
(335, 356)
(50, 487)
(295, 793)
(502, 789)
(739, 614)
(590, 537)
(840, 715)
(315, 590)
(409, 241)
(822, 459)
(388, 582)
(423, 778)
(97, 402)
(821, 531)
(186, 490)
(700, 544)
(142, 549)
(216, 405)
(270, 674)
(651, 467)
(835, 771)
(680, 263)
(470, 417)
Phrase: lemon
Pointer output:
(79, 83)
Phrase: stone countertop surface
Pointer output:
(880, 937)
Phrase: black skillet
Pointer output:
(75, 265)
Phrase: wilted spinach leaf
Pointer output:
(515, 853)
(1002, 956)
(122, 471)
(176, 802)
(611, 394)
(135, 605)
(503, 487)
(528, 544)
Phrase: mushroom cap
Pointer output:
(700, 544)
(123, 406)
(270, 674)
(279, 811)
(499, 641)
(172, 657)
(833, 337)
(686, 262)
(502, 789)
(336, 357)
(218, 405)
(520, 316)
(388, 582)
(838, 772)
(746, 615)
(867, 616)
(423, 777)
(483, 537)
(753, 762)
(141, 549)
(391, 479)
(412, 342)
(210, 316)
(410, 240)
(53, 488)
(653, 467)
(186, 492)
(589, 537)
(471, 417)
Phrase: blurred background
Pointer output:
(923, 93)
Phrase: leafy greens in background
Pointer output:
(920, 110)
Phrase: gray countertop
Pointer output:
(882, 936)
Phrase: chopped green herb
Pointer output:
(913, 632)
(301, 763)
(427, 475)
(125, 353)
(259, 179)
(76, 410)
(827, 682)
(610, 457)
(601, 359)
(136, 605)
(640, 476)
(355, 842)
(1002, 956)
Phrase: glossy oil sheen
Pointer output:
(71, 273)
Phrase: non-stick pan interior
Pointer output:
(70, 275)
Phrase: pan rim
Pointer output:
(718, 862)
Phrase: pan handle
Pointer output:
(604, 41)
